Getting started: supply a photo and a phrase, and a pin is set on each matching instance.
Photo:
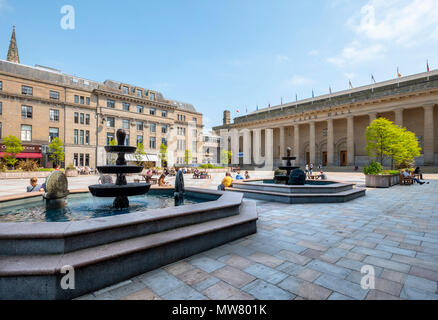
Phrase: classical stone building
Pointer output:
(330, 129)
(40, 103)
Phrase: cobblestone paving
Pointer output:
(313, 251)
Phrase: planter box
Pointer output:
(381, 181)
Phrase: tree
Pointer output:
(225, 157)
(187, 156)
(112, 157)
(56, 148)
(387, 140)
(139, 153)
(163, 154)
(13, 147)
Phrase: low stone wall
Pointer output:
(24, 175)
(382, 181)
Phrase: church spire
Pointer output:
(13, 49)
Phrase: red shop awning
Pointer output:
(26, 155)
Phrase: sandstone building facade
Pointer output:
(330, 129)
(40, 103)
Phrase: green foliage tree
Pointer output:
(13, 147)
(163, 154)
(56, 148)
(385, 140)
(225, 157)
(139, 153)
(112, 157)
(187, 156)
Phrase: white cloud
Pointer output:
(355, 52)
(407, 22)
(297, 80)
(280, 58)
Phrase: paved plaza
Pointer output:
(312, 251)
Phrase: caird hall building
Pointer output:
(38, 104)
(330, 129)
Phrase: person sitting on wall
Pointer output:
(34, 186)
(407, 174)
(226, 182)
(161, 181)
(239, 176)
(247, 175)
(322, 176)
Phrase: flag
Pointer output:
(246, 109)
(398, 73)
(330, 89)
(313, 94)
(238, 111)
(281, 100)
(428, 69)
(372, 79)
(257, 108)
(351, 85)
(296, 97)
(269, 105)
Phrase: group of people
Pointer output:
(35, 187)
(417, 172)
(309, 172)
(228, 180)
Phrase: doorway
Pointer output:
(324, 159)
(344, 158)
(307, 157)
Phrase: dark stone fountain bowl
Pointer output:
(120, 149)
(119, 169)
(113, 191)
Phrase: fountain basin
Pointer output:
(120, 149)
(119, 169)
(112, 190)
(109, 250)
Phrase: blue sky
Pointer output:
(228, 54)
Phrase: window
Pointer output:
(164, 113)
(109, 138)
(140, 109)
(76, 117)
(194, 146)
(195, 120)
(152, 96)
(139, 125)
(125, 90)
(139, 139)
(1, 85)
(324, 132)
(87, 160)
(153, 127)
(127, 140)
(26, 133)
(194, 132)
(82, 100)
(125, 124)
(75, 160)
(53, 133)
(163, 129)
(87, 119)
(139, 93)
(87, 101)
(152, 111)
(1, 108)
(54, 115)
(87, 137)
(110, 104)
(26, 112)
(152, 143)
(54, 95)
(181, 146)
(76, 99)
(76, 136)
(81, 137)
(0, 130)
(82, 118)
(27, 90)
(164, 141)
(81, 161)
(110, 122)
(125, 106)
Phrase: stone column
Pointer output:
(330, 143)
(257, 145)
(234, 146)
(399, 117)
(297, 143)
(269, 148)
(224, 146)
(428, 140)
(282, 143)
(246, 146)
(373, 116)
(350, 140)
(312, 147)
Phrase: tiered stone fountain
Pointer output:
(121, 190)
(294, 175)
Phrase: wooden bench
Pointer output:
(406, 180)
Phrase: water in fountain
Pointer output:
(121, 190)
